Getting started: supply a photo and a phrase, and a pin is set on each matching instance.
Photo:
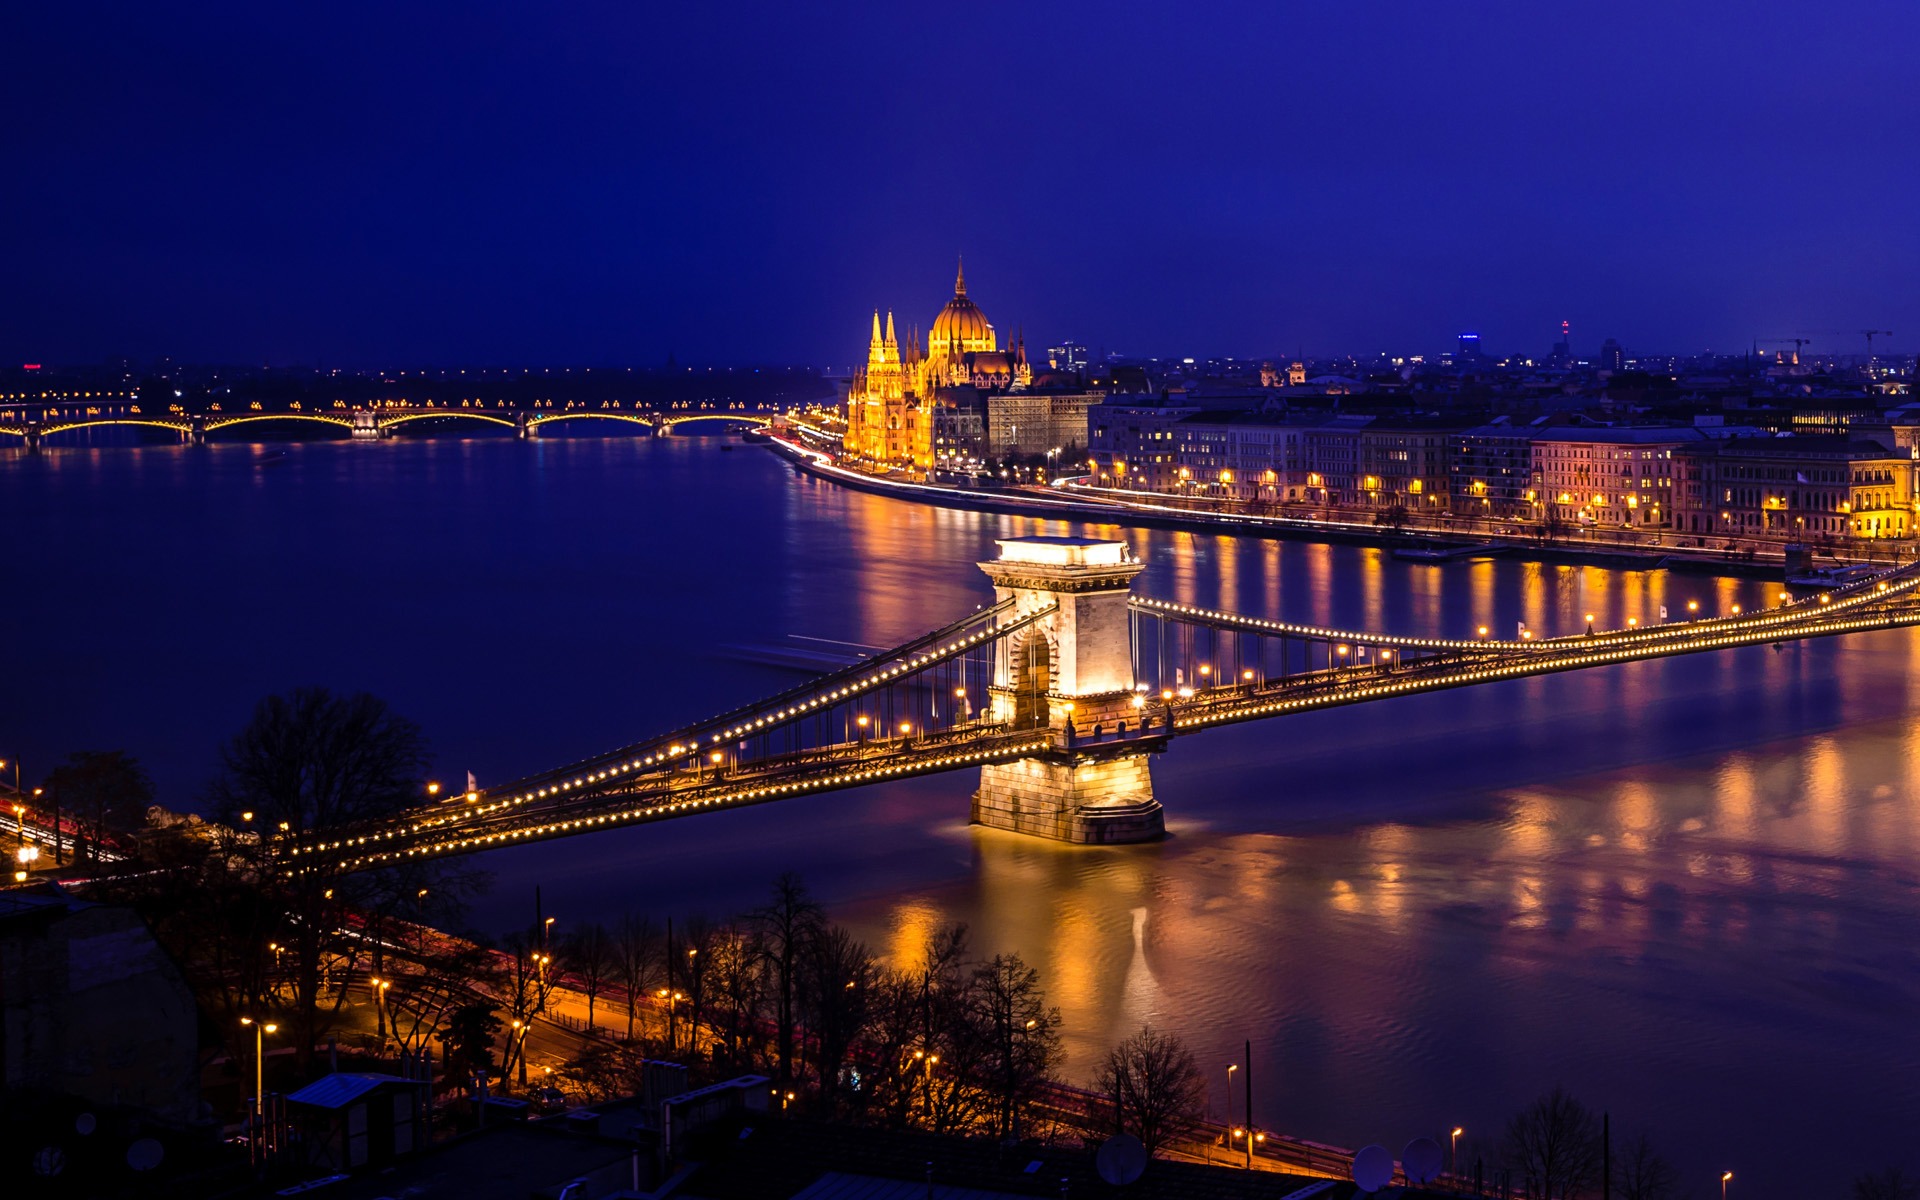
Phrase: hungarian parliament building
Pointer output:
(957, 399)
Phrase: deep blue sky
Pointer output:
(600, 183)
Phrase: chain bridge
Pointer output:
(379, 421)
(1057, 694)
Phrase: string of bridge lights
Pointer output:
(1814, 617)
(1241, 710)
(1896, 581)
(823, 699)
(641, 812)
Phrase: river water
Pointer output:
(1688, 890)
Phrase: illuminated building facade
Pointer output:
(891, 405)
(1620, 478)
(1813, 488)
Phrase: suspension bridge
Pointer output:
(33, 426)
(1057, 693)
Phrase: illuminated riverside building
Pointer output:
(1619, 478)
(1665, 478)
(1817, 488)
(1493, 472)
(892, 418)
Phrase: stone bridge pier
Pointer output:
(366, 424)
(1070, 673)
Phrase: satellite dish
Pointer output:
(145, 1154)
(84, 1124)
(1421, 1160)
(1121, 1159)
(1372, 1168)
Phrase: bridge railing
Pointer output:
(659, 799)
(1889, 609)
(924, 693)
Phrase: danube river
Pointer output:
(1688, 890)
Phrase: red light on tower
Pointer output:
(29, 366)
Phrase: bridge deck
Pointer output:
(646, 783)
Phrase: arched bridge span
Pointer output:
(374, 422)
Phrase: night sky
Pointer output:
(534, 184)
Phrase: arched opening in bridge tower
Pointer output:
(1032, 679)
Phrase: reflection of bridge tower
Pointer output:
(1070, 672)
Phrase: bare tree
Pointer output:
(637, 960)
(1020, 1033)
(106, 791)
(1554, 1146)
(1889, 1184)
(1157, 1089)
(788, 922)
(737, 975)
(529, 981)
(837, 979)
(896, 1046)
(695, 969)
(590, 956)
(604, 1071)
(425, 1000)
(313, 760)
(1641, 1173)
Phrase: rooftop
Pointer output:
(1063, 551)
(771, 1158)
(1809, 446)
(341, 1089)
(508, 1160)
(1621, 435)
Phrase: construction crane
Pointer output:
(1869, 334)
(1797, 343)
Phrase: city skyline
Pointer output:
(1244, 600)
(379, 188)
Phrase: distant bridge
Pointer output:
(34, 424)
(1057, 693)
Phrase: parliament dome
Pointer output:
(961, 321)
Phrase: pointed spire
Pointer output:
(876, 327)
(960, 278)
(890, 338)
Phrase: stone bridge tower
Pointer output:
(1071, 673)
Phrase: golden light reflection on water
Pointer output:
(1685, 888)
(1824, 796)
(1577, 870)
(1734, 786)
(1230, 599)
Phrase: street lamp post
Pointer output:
(1726, 1177)
(1231, 1068)
(522, 1029)
(260, 1082)
(933, 1060)
(1453, 1157)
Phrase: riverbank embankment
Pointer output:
(1111, 512)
